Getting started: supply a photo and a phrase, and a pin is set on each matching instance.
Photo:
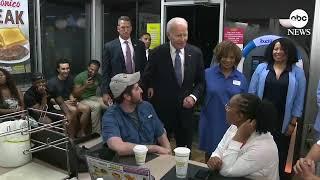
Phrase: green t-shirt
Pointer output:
(81, 78)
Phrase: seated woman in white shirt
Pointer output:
(247, 148)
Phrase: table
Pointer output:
(163, 167)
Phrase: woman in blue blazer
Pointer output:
(280, 81)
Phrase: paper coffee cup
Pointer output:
(140, 153)
(182, 158)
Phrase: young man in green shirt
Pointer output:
(85, 89)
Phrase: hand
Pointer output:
(188, 102)
(107, 100)
(89, 82)
(245, 130)
(45, 120)
(305, 168)
(150, 92)
(214, 163)
(158, 149)
(162, 150)
(297, 167)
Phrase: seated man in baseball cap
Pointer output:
(131, 121)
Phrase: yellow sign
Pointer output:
(154, 30)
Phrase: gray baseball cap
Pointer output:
(121, 81)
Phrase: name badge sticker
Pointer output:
(236, 82)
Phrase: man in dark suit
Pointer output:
(174, 76)
(121, 55)
(145, 37)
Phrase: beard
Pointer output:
(137, 100)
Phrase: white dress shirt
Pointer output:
(173, 57)
(124, 49)
(147, 53)
(258, 157)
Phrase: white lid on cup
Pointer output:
(140, 148)
(182, 151)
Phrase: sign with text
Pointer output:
(154, 30)
(234, 35)
(14, 36)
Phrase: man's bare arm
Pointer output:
(164, 142)
(314, 153)
(120, 147)
(126, 148)
(43, 104)
(60, 101)
(78, 90)
(163, 147)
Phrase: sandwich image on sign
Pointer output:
(12, 41)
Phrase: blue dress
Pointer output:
(219, 90)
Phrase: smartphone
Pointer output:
(202, 174)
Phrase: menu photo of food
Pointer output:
(99, 168)
(14, 46)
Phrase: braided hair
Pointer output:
(262, 111)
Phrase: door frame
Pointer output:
(165, 4)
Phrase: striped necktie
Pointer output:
(128, 59)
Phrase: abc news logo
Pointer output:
(298, 19)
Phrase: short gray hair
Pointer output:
(176, 20)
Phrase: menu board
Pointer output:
(99, 168)
(14, 36)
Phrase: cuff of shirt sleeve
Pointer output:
(194, 97)
(215, 154)
(235, 145)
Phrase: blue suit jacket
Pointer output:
(113, 61)
(295, 94)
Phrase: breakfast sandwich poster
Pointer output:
(14, 36)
